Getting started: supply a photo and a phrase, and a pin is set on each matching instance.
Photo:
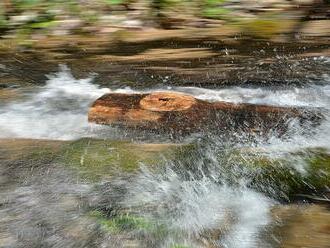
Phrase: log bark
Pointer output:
(177, 112)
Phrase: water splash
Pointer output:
(57, 110)
(198, 204)
(308, 96)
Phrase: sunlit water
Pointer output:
(191, 202)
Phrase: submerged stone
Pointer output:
(302, 226)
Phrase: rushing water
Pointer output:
(199, 203)
(55, 111)
(58, 110)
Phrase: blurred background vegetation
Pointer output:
(31, 19)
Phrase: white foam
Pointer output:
(57, 110)
(308, 96)
(312, 96)
(195, 206)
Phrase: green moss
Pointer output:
(25, 3)
(295, 173)
(114, 2)
(126, 223)
(129, 224)
(42, 25)
(123, 222)
(215, 12)
(213, 9)
(262, 27)
(3, 21)
(318, 168)
(42, 153)
(96, 159)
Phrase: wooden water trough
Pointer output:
(182, 113)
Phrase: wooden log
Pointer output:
(177, 112)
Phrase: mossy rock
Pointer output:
(137, 228)
(318, 168)
(282, 175)
(265, 26)
(122, 223)
(94, 159)
(97, 159)
(31, 150)
(132, 225)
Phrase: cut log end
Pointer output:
(167, 101)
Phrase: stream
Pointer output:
(207, 197)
